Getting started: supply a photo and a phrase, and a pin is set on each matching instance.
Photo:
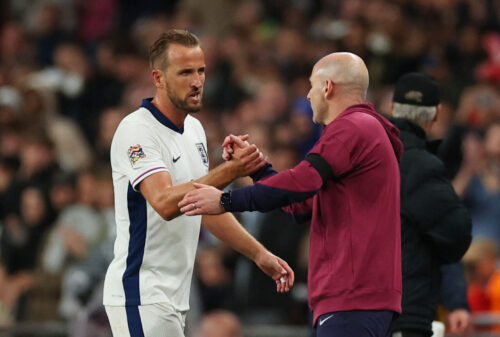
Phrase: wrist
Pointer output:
(225, 201)
(231, 169)
(257, 254)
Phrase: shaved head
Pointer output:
(338, 80)
(346, 70)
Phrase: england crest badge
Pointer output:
(203, 153)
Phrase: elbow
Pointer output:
(168, 214)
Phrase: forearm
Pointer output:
(285, 188)
(226, 228)
(164, 197)
(219, 177)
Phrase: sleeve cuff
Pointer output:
(265, 171)
(146, 174)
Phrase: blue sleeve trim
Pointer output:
(264, 198)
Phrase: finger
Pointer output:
(196, 211)
(188, 200)
(185, 208)
(229, 149)
(241, 143)
(260, 165)
(227, 141)
(251, 158)
(289, 271)
(199, 210)
(244, 137)
(199, 185)
(280, 286)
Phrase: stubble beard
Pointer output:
(182, 104)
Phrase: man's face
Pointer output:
(185, 77)
(316, 96)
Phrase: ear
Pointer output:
(157, 76)
(438, 109)
(329, 89)
(391, 110)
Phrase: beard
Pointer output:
(182, 104)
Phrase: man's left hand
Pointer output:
(460, 322)
(277, 269)
(203, 200)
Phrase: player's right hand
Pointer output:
(247, 160)
(228, 145)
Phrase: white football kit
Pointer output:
(153, 258)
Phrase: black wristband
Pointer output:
(225, 201)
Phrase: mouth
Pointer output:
(195, 96)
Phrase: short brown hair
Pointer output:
(157, 51)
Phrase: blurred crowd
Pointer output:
(70, 70)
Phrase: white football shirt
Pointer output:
(153, 258)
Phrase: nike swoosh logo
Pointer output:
(321, 321)
(176, 159)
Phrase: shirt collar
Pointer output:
(160, 117)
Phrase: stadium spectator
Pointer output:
(435, 226)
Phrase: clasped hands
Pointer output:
(205, 199)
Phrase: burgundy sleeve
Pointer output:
(285, 188)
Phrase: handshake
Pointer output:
(246, 158)
(242, 158)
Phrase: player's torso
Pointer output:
(169, 246)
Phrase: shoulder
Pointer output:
(137, 122)
(419, 166)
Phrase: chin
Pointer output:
(194, 109)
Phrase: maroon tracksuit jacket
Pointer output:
(349, 186)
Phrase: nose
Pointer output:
(309, 96)
(198, 81)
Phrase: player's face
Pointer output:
(185, 77)
(316, 96)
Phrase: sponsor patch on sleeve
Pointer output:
(135, 153)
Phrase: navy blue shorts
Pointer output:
(359, 323)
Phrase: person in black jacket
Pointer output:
(435, 226)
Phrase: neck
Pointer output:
(341, 104)
(163, 103)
